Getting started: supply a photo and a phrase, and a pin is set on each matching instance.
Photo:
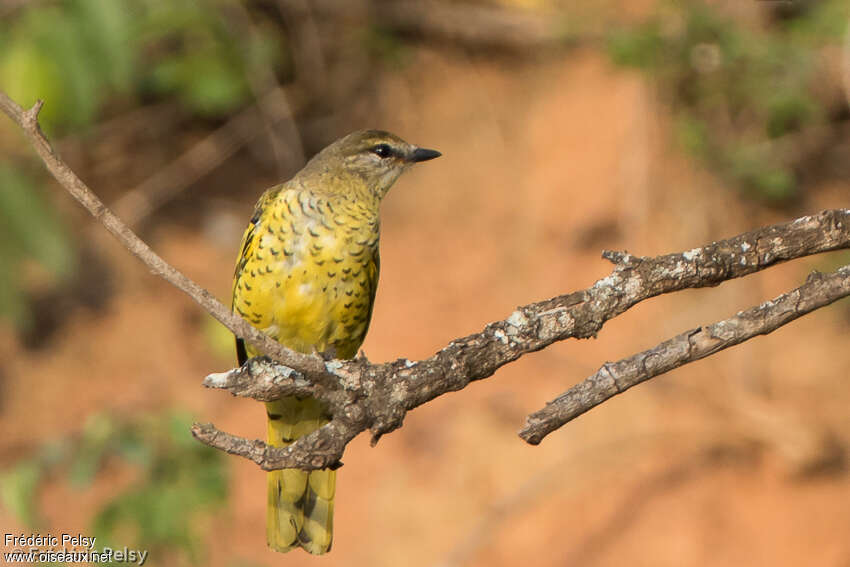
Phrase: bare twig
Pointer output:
(326, 447)
(28, 122)
(363, 396)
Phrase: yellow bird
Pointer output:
(306, 276)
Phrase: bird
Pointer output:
(306, 276)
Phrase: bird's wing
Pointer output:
(374, 268)
(246, 251)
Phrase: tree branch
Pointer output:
(616, 377)
(363, 396)
(27, 120)
(377, 396)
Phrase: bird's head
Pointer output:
(370, 160)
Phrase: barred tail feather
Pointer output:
(300, 503)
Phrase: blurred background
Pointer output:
(567, 128)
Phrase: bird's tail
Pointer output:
(300, 503)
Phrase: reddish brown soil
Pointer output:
(544, 166)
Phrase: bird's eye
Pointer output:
(382, 151)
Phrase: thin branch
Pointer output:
(326, 446)
(28, 122)
(616, 377)
(363, 396)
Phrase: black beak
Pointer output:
(421, 154)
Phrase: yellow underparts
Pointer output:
(306, 277)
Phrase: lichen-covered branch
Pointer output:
(326, 447)
(377, 396)
(616, 377)
(363, 396)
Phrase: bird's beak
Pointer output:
(421, 154)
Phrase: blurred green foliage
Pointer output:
(178, 484)
(81, 56)
(30, 232)
(78, 54)
(739, 92)
(737, 89)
